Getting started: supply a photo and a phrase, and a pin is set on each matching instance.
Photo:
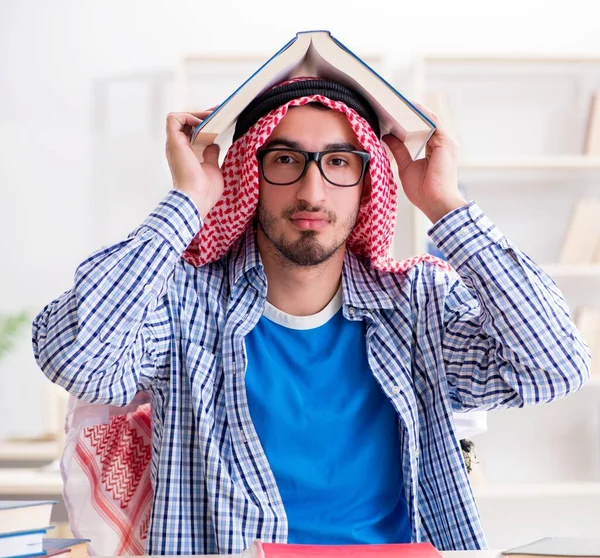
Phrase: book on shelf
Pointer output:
(592, 142)
(587, 320)
(320, 54)
(596, 256)
(258, 549)
(556, 547)
(580, 244)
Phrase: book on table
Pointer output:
(259, 549)
(23, 525)
(75, 548)
(556, 547)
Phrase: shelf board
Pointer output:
(518, 491)
(565, 162)
(30, 482)
(560, 271)
(520, 58)
(28, 451)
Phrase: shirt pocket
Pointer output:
(201, 369)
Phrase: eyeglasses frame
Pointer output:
(315, 156)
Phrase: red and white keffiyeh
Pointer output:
(106, 461)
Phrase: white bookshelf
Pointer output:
(520, 122)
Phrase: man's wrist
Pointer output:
(438, 210)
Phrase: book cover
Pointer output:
(77, 548)
(259, 549)
(319, 54)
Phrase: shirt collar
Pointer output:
(362, 286)
(244, 255)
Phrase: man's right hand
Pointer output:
(201, 181)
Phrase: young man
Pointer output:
(302, 383)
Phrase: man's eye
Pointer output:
(285, 159)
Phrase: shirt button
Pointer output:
(147, 288)
(351, 311)
(464, 231)
(395, 390)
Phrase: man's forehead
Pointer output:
(299, 127)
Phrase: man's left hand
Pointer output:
(430, 183)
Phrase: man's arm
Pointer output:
(508, 338)
(104, 339)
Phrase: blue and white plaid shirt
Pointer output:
(494, 333)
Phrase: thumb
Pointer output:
(399, 151)
(211, 154)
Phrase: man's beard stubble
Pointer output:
(307, 251)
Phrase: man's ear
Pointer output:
(366, 193)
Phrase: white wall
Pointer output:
(51, 51)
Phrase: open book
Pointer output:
(556, 547)
(319, 54)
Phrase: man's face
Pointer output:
(310, 220)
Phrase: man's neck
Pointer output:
(299, 290)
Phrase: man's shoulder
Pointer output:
(425, 270)
(207, 276)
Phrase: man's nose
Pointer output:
(312, 186)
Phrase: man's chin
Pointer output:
(305, 251)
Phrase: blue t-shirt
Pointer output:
(327, 429)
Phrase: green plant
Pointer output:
(9, 329)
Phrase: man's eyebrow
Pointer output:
(285, 142)
(342, 146)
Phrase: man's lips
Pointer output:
(309, 221)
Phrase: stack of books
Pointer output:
(24, 526)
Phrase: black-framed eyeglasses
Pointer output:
(283, 166)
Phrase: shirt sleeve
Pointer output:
(508, 338)
(104, 339)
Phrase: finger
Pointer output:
(177, 121)
(211, 154)
(399, 151)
